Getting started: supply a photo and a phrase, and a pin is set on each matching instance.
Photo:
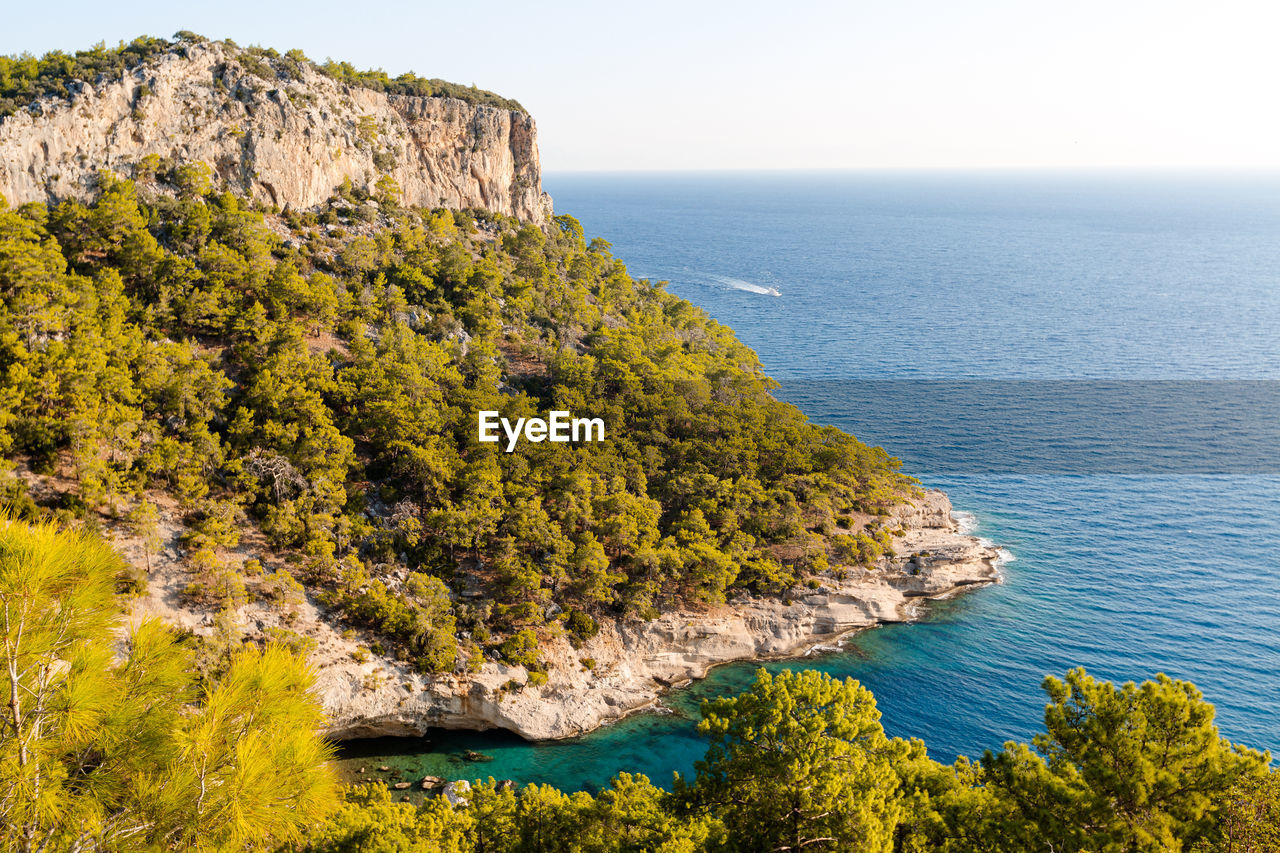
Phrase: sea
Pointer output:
(1087, 362)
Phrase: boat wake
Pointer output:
(721, 282)
(745, 286)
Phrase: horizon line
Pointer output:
(1067, 169)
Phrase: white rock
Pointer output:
(289, 142)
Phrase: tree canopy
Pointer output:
(319, 376)
(25, 78)
(800, 762)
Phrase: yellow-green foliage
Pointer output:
(100, 752)
(521, 649)
(418, 616)
(165, 337)
(799, 758)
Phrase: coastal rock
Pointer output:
(635, 662)
(289, 141)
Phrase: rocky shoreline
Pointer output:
(625, 668)
(632, 664)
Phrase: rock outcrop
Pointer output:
(632, 663)
(625, 668)
(286, 139)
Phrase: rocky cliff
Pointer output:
(284, 138)
(628, 665)
(624, 668)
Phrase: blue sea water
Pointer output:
(1086, 363)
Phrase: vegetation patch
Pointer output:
(25, 78)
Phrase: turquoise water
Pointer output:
(1149, 547)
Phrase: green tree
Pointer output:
(146, 525)
(1250, 817)
(799, 762)
(631, 816)
(123, 754)
(56, 593)
(249, 766)
(369, 822)
(521, 649)
(1128, 768)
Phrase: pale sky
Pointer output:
(786, 85)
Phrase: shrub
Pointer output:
(521, 649)
(280, 588)
(581, 627)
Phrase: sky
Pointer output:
(916, 84)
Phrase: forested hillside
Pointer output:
(318, 375)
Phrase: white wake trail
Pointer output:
(748, 286)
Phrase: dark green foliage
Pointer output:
(25, 78)
(417, 616)
(412, 84)
(581, 626)
(521, 649)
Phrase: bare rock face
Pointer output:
(282, 140)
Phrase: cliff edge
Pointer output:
(288, 138)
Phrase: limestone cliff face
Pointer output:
(282, 140)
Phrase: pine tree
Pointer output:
(1133, 768)
(97, 753)
(799, 762)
